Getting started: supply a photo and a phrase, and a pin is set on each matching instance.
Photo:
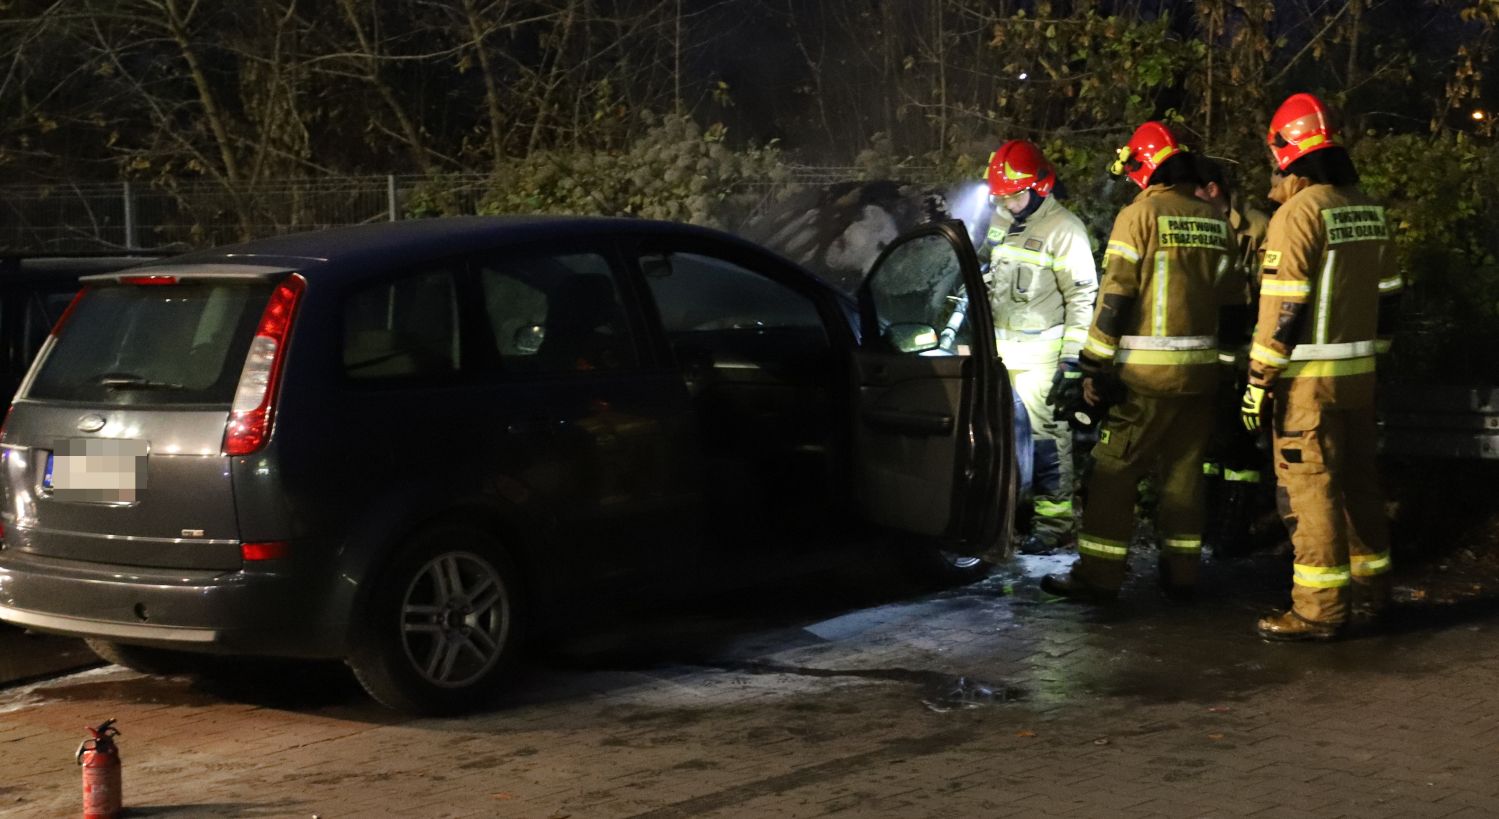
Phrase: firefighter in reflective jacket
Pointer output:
(1167, 272)
(1326, 308)
(1042, 283)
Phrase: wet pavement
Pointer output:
(839, 694)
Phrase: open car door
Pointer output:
(933, 433)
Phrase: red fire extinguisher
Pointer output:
(102, 797)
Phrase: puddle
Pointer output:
(943, 691)
(964, 693)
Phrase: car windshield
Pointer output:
(153, 345)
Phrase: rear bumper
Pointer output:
(265, 612)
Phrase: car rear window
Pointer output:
(160, 345)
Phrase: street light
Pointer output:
(1479, 116)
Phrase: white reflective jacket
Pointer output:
(1042, 284)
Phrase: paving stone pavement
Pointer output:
(985, 701)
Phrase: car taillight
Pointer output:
(148, 280)
(255, 397)
(268, 550)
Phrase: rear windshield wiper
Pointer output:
(130, 381)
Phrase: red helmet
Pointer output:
(1018, 165)
(1152, 144)
(1301, 125)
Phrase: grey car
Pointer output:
(409, 445)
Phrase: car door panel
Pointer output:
(933, 453)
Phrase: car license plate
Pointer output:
(96, 470)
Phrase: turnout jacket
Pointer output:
(1249, 226)
(1329, 272)
(1042, 283)
(1168, 269)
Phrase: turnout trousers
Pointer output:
(1053, 484)
(1161, 435)
(1327, 490)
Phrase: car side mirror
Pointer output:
(528, 338)
(912, 337)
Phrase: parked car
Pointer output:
(402, 445)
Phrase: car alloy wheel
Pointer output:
(443, 624)
(455, 619)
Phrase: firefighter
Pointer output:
(1042, 283)
(1235, 480)
(1155, 339)
(1326, 308)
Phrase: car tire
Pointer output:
(930, 564)
(159, 662)
(442, 626)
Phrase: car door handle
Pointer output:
(910, 421)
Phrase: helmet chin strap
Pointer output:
(1035, 203)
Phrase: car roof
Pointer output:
(355, 250)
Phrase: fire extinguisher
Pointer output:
(102, 797)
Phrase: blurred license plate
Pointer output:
(96, 470)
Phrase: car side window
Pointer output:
(698, 293)
(405, 328)
(556, 313)
(720, 316)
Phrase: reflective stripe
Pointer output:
(1162, 277)
(1020, 254)
(1019, 355)
(1265, 355)
(1106, 549)
(1168, 343)
(1285, 289)
(1227, 357)
(1053, 509)
(1329, 352)
(1151, 358)
(1123, 251)
(1099, 349)
(1392, 284)
(1182, 544)
(1370, 565)
(1049, 334)
(1242, 475)
(1211, 469)
(1381, 345)
(1320, 577)
(1324, 299)
(1329, 369)
(1075, 334)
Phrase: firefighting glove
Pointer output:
(1067, 380)
(1250, 407)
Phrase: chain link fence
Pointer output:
(120, 216)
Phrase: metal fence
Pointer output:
(111, 216)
